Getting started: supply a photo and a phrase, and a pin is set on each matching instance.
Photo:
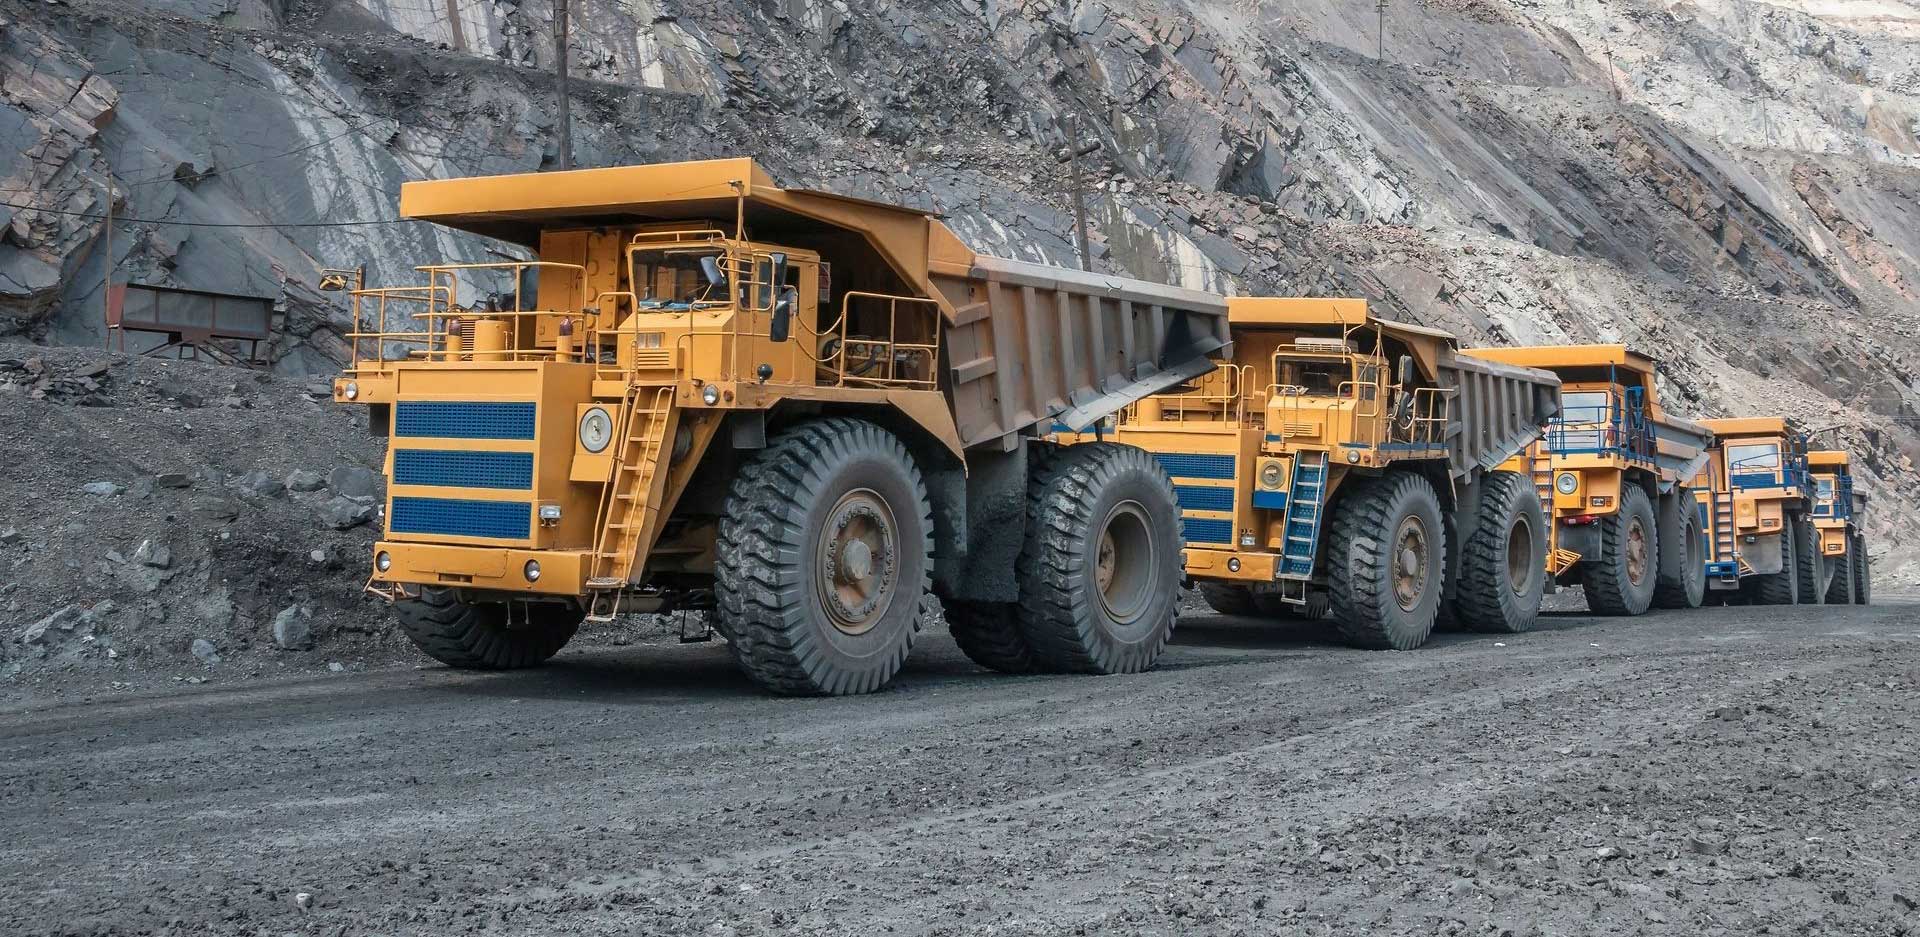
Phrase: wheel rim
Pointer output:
(857, 553)
(1124, 565)
(1520, 559)
(1412, 562)
(1636, 552)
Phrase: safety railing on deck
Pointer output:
(1619, 427)
(882, 361)
(1219, 398)
(446, 329)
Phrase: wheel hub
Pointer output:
(1410, 563)
(1637, 552)
(857, 566)
(1125, 567)
(1520, 559)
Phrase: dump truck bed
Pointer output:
(1497, 410)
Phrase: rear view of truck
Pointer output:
(805, 413)
(1348, 466)
(1613, 472)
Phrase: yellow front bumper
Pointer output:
(562, 572)
(1219, 564)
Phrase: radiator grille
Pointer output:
(463, 420)
(1194, 465)
(1206, 530)
(460, 517)
(445, 468)
(1197, 498)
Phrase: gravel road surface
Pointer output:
(1726, 771)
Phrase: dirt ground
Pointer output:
(1724, 771)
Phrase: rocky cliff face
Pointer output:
(1730, 185)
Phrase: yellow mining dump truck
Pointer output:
(1839, 508)
(1612, 473)
(1756, 502)
(804, 411)
(1347, 465)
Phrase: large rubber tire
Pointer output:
(1682, 580)
(1862, 571)
(989, 634)
(1781, 588)
(1100, 571)
(1369, 543)
(1839, 589)
(781, 559)
(1503, 564)
(1228, 599)
(1629, 540)
(1809, 566)
(486, 635)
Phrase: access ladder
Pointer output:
(628, 507)
(1304, 514)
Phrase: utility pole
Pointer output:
(560, 75)
(1380, 30)
(106, 267)
(1072, 158)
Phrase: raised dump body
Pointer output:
(1612, 473)
(1329, 466)
(1839, 516)
(1755, 498)
(800, 409)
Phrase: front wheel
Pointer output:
(1100, 571)
(486, 635)
(1620, 580)
(824, 559)
(1385, 562)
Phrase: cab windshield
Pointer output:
(1754, 457)
(1823, 489)
(671, 279)
(1311, 377)
(1583, 406)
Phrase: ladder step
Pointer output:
(605, 582)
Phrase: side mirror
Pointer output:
(782, 324)
(1406, 370)
(779, 271)
(710, 266)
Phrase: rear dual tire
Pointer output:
(1682, 582)
(1503, 570)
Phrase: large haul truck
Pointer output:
(807, 412)
(1839, 508)
(1348, 465)
(1756, 504)
(1612, 473)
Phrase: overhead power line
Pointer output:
(214, 224)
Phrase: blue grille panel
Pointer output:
(1197, 498)
(1191, 465)
(494, 520)
(1756, 480)
(1206, 530)
(461, 420)
(446, 469)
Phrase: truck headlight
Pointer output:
(1270, 476)
(352, 391)
(596, 429)
(531, 570)
(382, 561)
(1567, 483)
(710, 394)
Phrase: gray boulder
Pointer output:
(303, 480)
(293, 628)
(354, 482)
(342, 513)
